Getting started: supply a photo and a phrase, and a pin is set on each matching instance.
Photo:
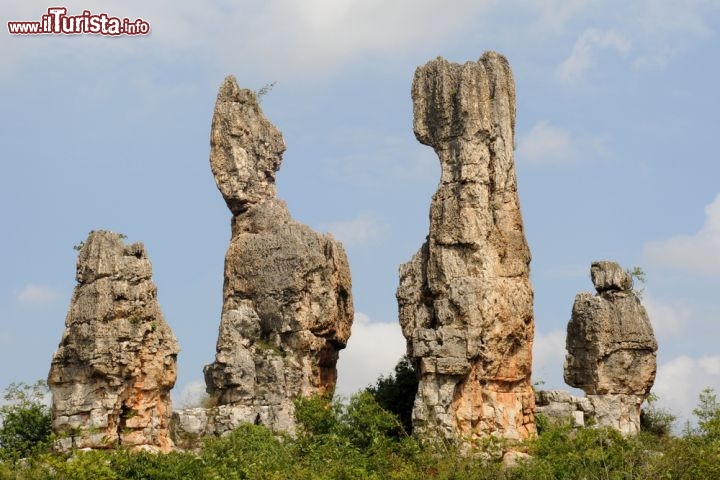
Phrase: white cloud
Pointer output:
(656, 58)
(191, 395)
(374, 349)
(362, 230)
(547, 144)
(36, 295)
(697, 253)
(680, 381)
(582, 58)
(678, 16)
(556, 14)
(667, 320)
(308, 38)
(548, 357)
(664, 28)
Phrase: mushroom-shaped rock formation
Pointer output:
(611, 348)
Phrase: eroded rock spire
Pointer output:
(112, 373)
(465, 299)
(287, 308)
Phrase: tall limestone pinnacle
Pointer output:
(287, 303)
(465, 299)
(116, 363)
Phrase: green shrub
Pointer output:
(249, 452)
(563, 452)
(361, 440)
(654, 419)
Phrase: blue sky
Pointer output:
(616, 158)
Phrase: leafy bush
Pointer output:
(26, 424)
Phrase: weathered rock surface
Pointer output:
(560, 406)
(465, 299)
(611, 348)
(112, 373)
(287, 308)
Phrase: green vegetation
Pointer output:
(361, 440)
(26, 426)
(655, 420)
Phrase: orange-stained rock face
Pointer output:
(112, 373)
(465, 299)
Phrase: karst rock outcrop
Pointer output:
(287, 304)
(465, 299)
(611, 348)
(112, 373)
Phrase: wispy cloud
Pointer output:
(191, 394)
(678, 16)
(554, 15)
(36, 295)
(366, 229)
(548, 355)
(373, 350)
(697, 253)
(667, 319)
(546, 144)
(680, 381)
(583, 55)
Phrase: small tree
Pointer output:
(26, 424)
(655, 420)
(396, 393)
(637, 274)
(708, 414)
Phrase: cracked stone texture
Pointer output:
(287, 304)
(112, 373)
(465, 299)
(611, 348)
(559, 407)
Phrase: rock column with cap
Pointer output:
(611, 348)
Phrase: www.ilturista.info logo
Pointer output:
(58, 22)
